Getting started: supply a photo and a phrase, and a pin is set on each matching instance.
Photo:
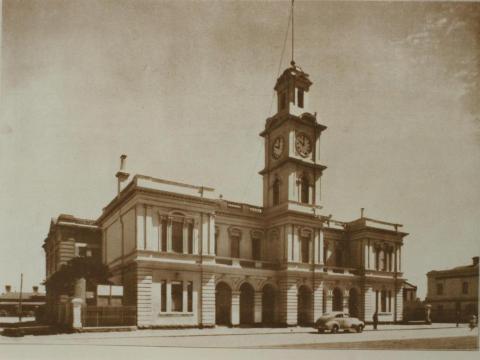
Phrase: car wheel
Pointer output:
(335, 329)
(359, 328)
(321, 331)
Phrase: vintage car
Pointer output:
(337, 320)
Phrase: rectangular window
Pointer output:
(190, 239)
(177, 296)
(190, 296)
(256, 249)
(465, 288)
(164, 235)
(216, 242)
(163, 296)
(305, 249)
(439, 289)
(177, 236)
(300, 98)
(389, 301)
(383, 301)
(235, 250)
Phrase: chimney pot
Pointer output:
(475, 260)
(8, 288)
(362, 211)
(35, 289)
(123, 161)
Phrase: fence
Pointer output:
(94, 316)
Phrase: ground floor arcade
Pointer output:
(169, 298)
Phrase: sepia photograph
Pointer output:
(238, 178)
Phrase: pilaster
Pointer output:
(317, 299)
(235, 308)
(258, 307)
(208, 300)
(144, 297)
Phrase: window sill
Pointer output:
(170, 314)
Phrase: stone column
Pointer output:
(195, 238)
(207, 299)
(169, 234)
(296, 244)
(398, 304)
(368, 303)
(289, 238)
(185, 237)
(160, 232)
(211, 234)
(320, 246)
(346, 297)
(317, 299)
(329, 302)
(77, 313)
(258, 307)
(235, 308)
(169, 296)
(185, 296)
(366, 250)
(400, 258)
(144, 297)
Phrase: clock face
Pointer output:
(277, 148)
(303, 145)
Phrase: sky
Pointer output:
(184, 88)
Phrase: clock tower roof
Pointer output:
(296, 73)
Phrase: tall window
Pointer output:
(177, 236)
(389, 301)
(216, 241)
(190, 239)
(235, 246)
(383, 304)
(439, 289)
(256, 248)
(338, 257)
(304, 191)
(177, 296)
(276, 192)
(305, 242)
(164, 235)
(163, 296)
(300, 98)
(465, 288)
(190, 296)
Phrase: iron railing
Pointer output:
(95, 316)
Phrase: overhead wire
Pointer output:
(290, 20)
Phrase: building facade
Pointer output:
(453, 293)
(187, 257)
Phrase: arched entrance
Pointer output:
(246, 304)
(304, 306)
(268, 305)
(337, 302)
(223, 304)
(353, 302)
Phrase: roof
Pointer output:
(26, 296)
(472, 268)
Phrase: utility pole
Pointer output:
(20, 299)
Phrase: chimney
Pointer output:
(35, 289)
(8, 288)
(362, 211)
(122, 175)
(475, 260)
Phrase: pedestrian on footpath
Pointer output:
(458, 317)
(375, 320)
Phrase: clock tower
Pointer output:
(292, 172)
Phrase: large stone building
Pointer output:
(187, 257)
(453, 293)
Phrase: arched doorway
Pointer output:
(268, 305)
(353, 302)
(337, 303)
(223, 304)
(304, 306)
(246, 304)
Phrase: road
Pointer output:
(441, 336)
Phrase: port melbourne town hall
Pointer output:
(186, 257)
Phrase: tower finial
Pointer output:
(293, 37)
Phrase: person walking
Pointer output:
(458, 317)
(375, 320)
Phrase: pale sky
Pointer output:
(184, 89)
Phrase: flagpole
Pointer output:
(293, 35)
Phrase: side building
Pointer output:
(453, 293)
